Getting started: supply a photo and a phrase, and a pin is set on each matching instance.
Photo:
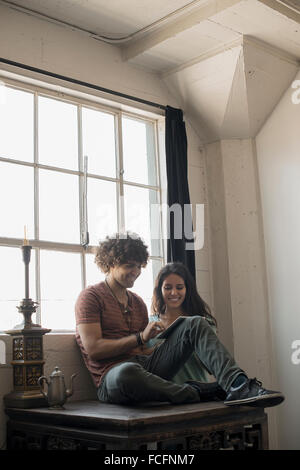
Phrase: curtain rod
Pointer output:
(79, 82)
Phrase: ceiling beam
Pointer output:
(288, 8)
(184, 21)
(242, 41)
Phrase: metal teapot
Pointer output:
(57, 393)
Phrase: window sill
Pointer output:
(52, 332)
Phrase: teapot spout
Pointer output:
(69, 392)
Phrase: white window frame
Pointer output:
(118, 110)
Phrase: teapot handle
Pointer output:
(40, 382)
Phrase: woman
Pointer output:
(175, 294)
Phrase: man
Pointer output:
(112, 329)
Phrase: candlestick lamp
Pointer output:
(27, 345)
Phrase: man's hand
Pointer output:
(99, 348)
(152, 330)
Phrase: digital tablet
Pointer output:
(165, 333)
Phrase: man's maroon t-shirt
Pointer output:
(97, 304)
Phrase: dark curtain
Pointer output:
(178, 191)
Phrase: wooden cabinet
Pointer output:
(85, 425)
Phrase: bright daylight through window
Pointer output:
(71, 172)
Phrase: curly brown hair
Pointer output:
(121, 248)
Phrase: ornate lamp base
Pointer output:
(28, 363)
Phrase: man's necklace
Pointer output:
(123, 308)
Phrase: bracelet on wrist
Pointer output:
(142, 338)
(138, 339)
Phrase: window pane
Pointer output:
(16, 125)
(12, 286)
(102, 209)
(17, 199)
(144, 284)
(138, 151)
(142, 216)
(60, 287)
(98, 137)
(93, 273)
(58, 141)
(59, 207)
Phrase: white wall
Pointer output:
(218, 239)
(198, 195)
(278, 156)
(246, 259)
(239, 271)
(57, 49)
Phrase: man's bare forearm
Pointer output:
(106, 348)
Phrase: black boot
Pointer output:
(210, 391)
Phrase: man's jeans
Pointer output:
(148, 378)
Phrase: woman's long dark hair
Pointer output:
(193, 304)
